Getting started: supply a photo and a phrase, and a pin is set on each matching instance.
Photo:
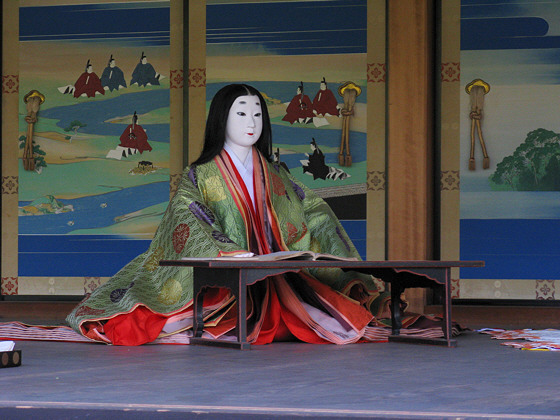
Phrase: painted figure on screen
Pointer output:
(315, 165)
(88, 84)
(135, 137)
(300, 108)
(112, 77)
(144, 73)
(324, 103)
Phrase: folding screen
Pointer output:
(93, 192)
(93, 199)
(500, 132)
(303, 56)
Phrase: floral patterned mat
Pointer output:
(547, 340)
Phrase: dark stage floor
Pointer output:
(478, 379)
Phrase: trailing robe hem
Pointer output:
(212, 215)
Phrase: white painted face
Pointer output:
(244, 124)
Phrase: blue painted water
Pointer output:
(125, 21)
(515, 232)
(511, 248)
(95, 211)
(76, 255)
(472, 183)
(95, 114)
(105, 255)
(357, 231)
(47, 246)
(301, 28)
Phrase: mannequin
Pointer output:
(234, 201)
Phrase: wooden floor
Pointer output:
(509, 317)
(478, 379)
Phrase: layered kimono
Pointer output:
(211, 215)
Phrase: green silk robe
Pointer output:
(205, 219)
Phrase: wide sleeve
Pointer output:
(187, 229)
(190, 228)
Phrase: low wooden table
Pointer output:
(237, 275)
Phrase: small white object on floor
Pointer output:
(7, 345)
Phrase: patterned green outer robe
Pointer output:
(202, 220)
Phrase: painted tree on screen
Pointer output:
(533, 166)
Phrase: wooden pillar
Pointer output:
(376, 129)
(195, 79)
(410, 134)
(450, 145)
(10, 145)
(176, 95)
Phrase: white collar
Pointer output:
(242, 167)
(245, 169)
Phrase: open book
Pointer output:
(281, 255)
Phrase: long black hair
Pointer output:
(215, 133)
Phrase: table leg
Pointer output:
(431, 277)
(230, 278)
(198, 299)
(242, 310)
(447, 318)
(396, 312)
